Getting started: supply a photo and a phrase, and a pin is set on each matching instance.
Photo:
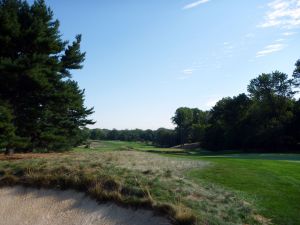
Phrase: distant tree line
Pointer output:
(161, 137)
(41, 107)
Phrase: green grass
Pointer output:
(191, 187)
(273, 185)
(270, 181)
(119, 145)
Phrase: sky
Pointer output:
(145, 59)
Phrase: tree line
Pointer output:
(161, 137)
(41, 107)
(267, 118)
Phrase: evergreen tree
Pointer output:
(35, 76)
(296, 74)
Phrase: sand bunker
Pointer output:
(30, 206)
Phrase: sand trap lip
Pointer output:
(19, 205)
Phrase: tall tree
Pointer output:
(267, 86)
(227, 128)
(183, 118)
(35, 76)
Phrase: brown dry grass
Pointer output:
(22, 156)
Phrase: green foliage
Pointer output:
(227, 123)
(266, 119)
(97, 134)
(183, 119)
(47, 107)
(267, 86)
(161, 137)
(7, 129)
(190, 123)
(165, 137)
(296, 74)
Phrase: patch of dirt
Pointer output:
(262, 219)
(20, 156)
(20, 205)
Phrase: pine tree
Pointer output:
(35, 76)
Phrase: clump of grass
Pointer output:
(168, 173)
(110, 184)
(184, 216)
(8, 180)
(97, 192)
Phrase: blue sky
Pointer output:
(147, 58)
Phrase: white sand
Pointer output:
(29, 206)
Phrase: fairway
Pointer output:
(273, 186)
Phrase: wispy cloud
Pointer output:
(186, 73)
(269, 49)
(228, 49)
(228, 46)
(195, 4)
(283, 14)
(288, 33)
